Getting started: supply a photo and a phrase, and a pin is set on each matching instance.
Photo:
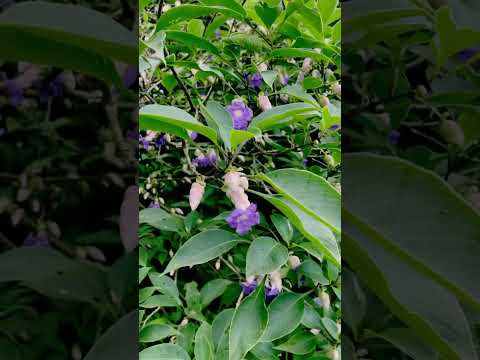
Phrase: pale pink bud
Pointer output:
(231, 179)
(315, 331)
(264, 103)
(196, 194)
(262, 67)
(239, 198)
(294, 262)
(129, 218)
(307, 65)
(337, 89)
(276, 280)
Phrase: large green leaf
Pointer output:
(279, 114)
(202, 248)
(187, 12)
(419, 218)
(414, 298)
(231, 4)
(220, 331)
(163, 352)
(212, 290)
(284, 316)
(265, 255)
(156, 332)
(193, 41)
(160, 219)
(155, 117)
(120, 332)
(320, 235)
(310, 192)
(301, 53)
(53, 274)
(204, 349)
(248, 324)
(300, 343)
(65, 24)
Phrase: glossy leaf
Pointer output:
(164, 352)
(284, 316)
(160, 219)
(248, 324)
(203, 343)
(264, 256)
(278, 115)
(212, 290)
(155, 332)
(300, 344)
(193, 41)
(202, 248)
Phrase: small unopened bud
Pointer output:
(329, 160)
(69, 80)
(54, 229)
(421, 91)
(337, 89)
(307, 65)
(324, 299)
(217, 265)
(264, 103)
(96, 254)
(262, 67)
(315, 331)
(294, 262)
(179, 211)
(17, 216)
(324, 101)
(452, 133)
(196, 194)
(334, 354)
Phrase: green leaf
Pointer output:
(265, 255)
(196, 27)
(187, 12)
(326, 8)
(283, 226)
(155, 117)
(405, 340)
(314, 271)
(220, 331)
(142, 273)
(426, 309)
(203, 343)
(320, 235)
(54, 275)
(278, 115)
(421, 219)
(301, 53)
(354, 306)
(298, 92)
(65, 24)
(202, 248)
(212, 290)
(160, 219)
(192, 41)
(159, 301)
(267, 14)
(231, 4)
(331, 327)
(248, 324)
(310, 192)
(284, 316)
(269, 77)
(264, 351)
(164, 352)
(165, 285)
(300, 344)
(156, 332)
(120, 332)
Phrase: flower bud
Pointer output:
(329, 160)
(324, 299)
(333, 354)
(262, 67)
(315, 331)
(196, 194)
(307, 65)
(217, 265)
(239, 198)
(264, 103)
(294, 262)
(452, 133)
(324, 101)
(337, 89)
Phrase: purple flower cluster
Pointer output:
(40, 240)
(255, 81)
(204, 161)
(154, 206)
(241, 114)
(271, 293)
(248, 286)
(243, 220)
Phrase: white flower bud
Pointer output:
(217, 265)
(307, 65)
(262, 67)
(334, 354)
(294, 262)
(315, 331)
(324, 101)
(337, 89)
(264, 103)
(452, 133)
(325, 299)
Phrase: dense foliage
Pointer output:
(65, 164)
(240, 180)
(410, 241)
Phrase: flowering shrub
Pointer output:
(239, 180)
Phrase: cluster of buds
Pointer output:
(235, 184)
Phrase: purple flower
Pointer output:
(334, 127)
(160, 141)
(241, 114)
(284, 79)
(271, 293)
(55, 87)
(15, 93)
(218, 34)
(205, 161)
(394, 137)
(248, 286)
(145, 142)
(154, 206)
(255, 81)
(193, 135)
(318, 301)
(305, 162)
(243, 220)
(132, 134)
(40, 239)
